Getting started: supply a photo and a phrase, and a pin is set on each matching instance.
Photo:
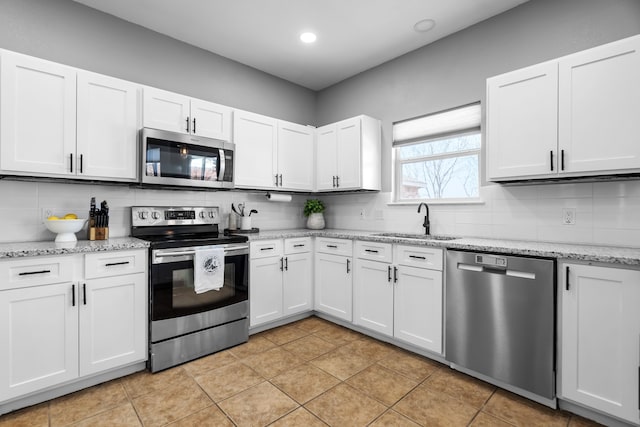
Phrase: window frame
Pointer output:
(397, 162)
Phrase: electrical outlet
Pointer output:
(46, 213)
(569, 216)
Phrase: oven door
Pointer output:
(176, 159)
(175, 306)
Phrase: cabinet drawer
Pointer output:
(115, 263)
(34, 271)
(374, 251)
(266, 248)
(334, 246)
(419, 256)
(297, 245)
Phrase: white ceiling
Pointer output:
(353, 35)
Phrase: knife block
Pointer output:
(98, 233)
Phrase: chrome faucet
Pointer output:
(426, 224)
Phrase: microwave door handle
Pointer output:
(222, 164)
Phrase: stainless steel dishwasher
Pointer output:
(500, 321)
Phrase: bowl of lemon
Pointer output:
(65, 227)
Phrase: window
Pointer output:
(437, 156)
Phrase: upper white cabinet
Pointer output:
(60, 121)
(600, 338)
(348, 155)
(178, 113)
(570, 117)
(272, 154)
(37, 115)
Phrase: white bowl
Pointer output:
(65, 228)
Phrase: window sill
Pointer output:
(438, 202)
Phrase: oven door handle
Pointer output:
(160, 254)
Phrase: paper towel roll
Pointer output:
(279, 197)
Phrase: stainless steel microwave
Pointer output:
(171, 158)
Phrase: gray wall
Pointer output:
(452, 71)
(70, 33)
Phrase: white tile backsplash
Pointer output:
(23, 201)
(607, 213)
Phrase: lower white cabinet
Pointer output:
(333, 277)
(600, 338)
(398, 292)
(281, 279)
(56, 326)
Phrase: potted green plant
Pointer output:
(313, 209)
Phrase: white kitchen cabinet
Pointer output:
(399, 292)
(256, 155)
(295, 156)
(37, 116)
(348, 155)
(60, 325)
(272, 154)
(599, 104)
(39, 335)
(178, 113)
(333, 277)
(281, 279)
(107, 129)
(64, 122)
(570, 117)
(522, 122)
(600, 338)
(112, 322)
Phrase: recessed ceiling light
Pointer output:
(308, 37)
(424, 25)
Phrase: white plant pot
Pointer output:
(315, 221)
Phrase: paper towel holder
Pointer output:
(272, 197)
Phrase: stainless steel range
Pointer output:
(186, 322)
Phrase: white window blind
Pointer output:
(437, 125)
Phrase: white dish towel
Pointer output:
(208, 270)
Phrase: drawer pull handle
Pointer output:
(348, 269)
(373, 251)
(84, 293)
(111, 264)
(267, 249)
(332, 246)
(566, 279)
(73, 295)
(28, 273)
(416, 257)
(301, 245)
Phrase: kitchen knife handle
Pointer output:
(551, 157)
(73, 295)
(187, 124)
(84, 293)
(566, 279)
(71, 163)
(194, 125)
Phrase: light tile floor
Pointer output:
(308, 373)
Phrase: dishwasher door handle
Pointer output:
(484, 269)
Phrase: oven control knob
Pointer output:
(201, 214)
(155, 215)
(212, 214)
(142, 214)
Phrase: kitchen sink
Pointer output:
(416, 236)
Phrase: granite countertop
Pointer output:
(25, 249)
(606, 254)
